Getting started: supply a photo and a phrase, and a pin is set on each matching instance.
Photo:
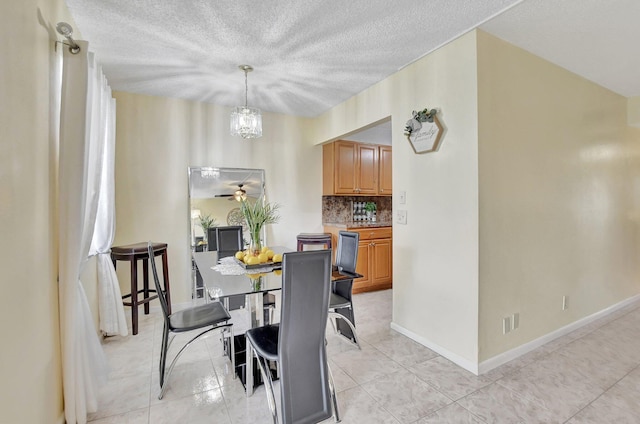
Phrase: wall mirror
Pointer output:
(214, 198)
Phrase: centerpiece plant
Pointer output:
(206, 222)
(257, 214)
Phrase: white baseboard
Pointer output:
(514, 353)
(453, 357)
(503, 358)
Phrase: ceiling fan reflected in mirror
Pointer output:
(240, 194)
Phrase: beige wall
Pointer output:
(31, 389)
(556, 167)
(559, 173)
(633, 111)
(435, 256)
(159, 138)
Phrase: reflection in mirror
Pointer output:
(214, 201)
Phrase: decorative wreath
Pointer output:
(235, 217)
(418, 117)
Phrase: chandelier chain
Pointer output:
(246, 88)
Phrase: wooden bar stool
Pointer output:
(133, 253)
(313, 239)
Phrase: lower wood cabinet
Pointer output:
(374, 263)
(375, 258)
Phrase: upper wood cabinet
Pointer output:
(385, 170)
(351, 168)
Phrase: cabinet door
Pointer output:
(385, 170)
(367, 177)
(381, 262)
(363, 266)
(346, 157)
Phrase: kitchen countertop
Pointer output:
(356, 224)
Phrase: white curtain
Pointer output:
(84, 365)
(112, 318)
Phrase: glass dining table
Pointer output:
(227, 281)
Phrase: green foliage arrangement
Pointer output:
(206, 222)
(258, 214)
(417, 118)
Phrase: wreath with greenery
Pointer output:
(415, 123)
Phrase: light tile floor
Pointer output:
(589, 376)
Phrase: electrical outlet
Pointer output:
(401, 217)
(506, 325)
(402, 197)
(515, 320)
(565, 304)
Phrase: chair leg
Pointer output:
(164, 384)
(336, 315)
(163, 353)
(233, 351)
(268, 383)
(334, 399)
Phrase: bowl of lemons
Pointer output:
(265, 258)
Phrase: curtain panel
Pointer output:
(111, 309)
(84, 365)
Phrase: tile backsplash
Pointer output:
(339, 209)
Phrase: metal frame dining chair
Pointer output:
(297, 344)
(208, 317)
(229, 240)
(341, 300)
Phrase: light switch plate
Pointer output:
(402, 197)
(401, 217)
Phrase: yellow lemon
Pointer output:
(253, 276)
(277, 271)
(239, 256)
(264, 249)
(263, 258)
(253, 260)
(277, 257)
(270, 254)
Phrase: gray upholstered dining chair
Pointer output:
(229, 240)
(208, 317)
(340, 303)
(297, 344)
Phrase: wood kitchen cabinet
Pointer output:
(374, 263)
(351, 168)
(384, 155)
(375, 257)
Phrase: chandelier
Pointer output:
(246, 121)
(209, 173)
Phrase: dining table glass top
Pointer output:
(220, 285)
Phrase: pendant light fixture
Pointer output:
(246, 121)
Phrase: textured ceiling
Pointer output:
(310, 55)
